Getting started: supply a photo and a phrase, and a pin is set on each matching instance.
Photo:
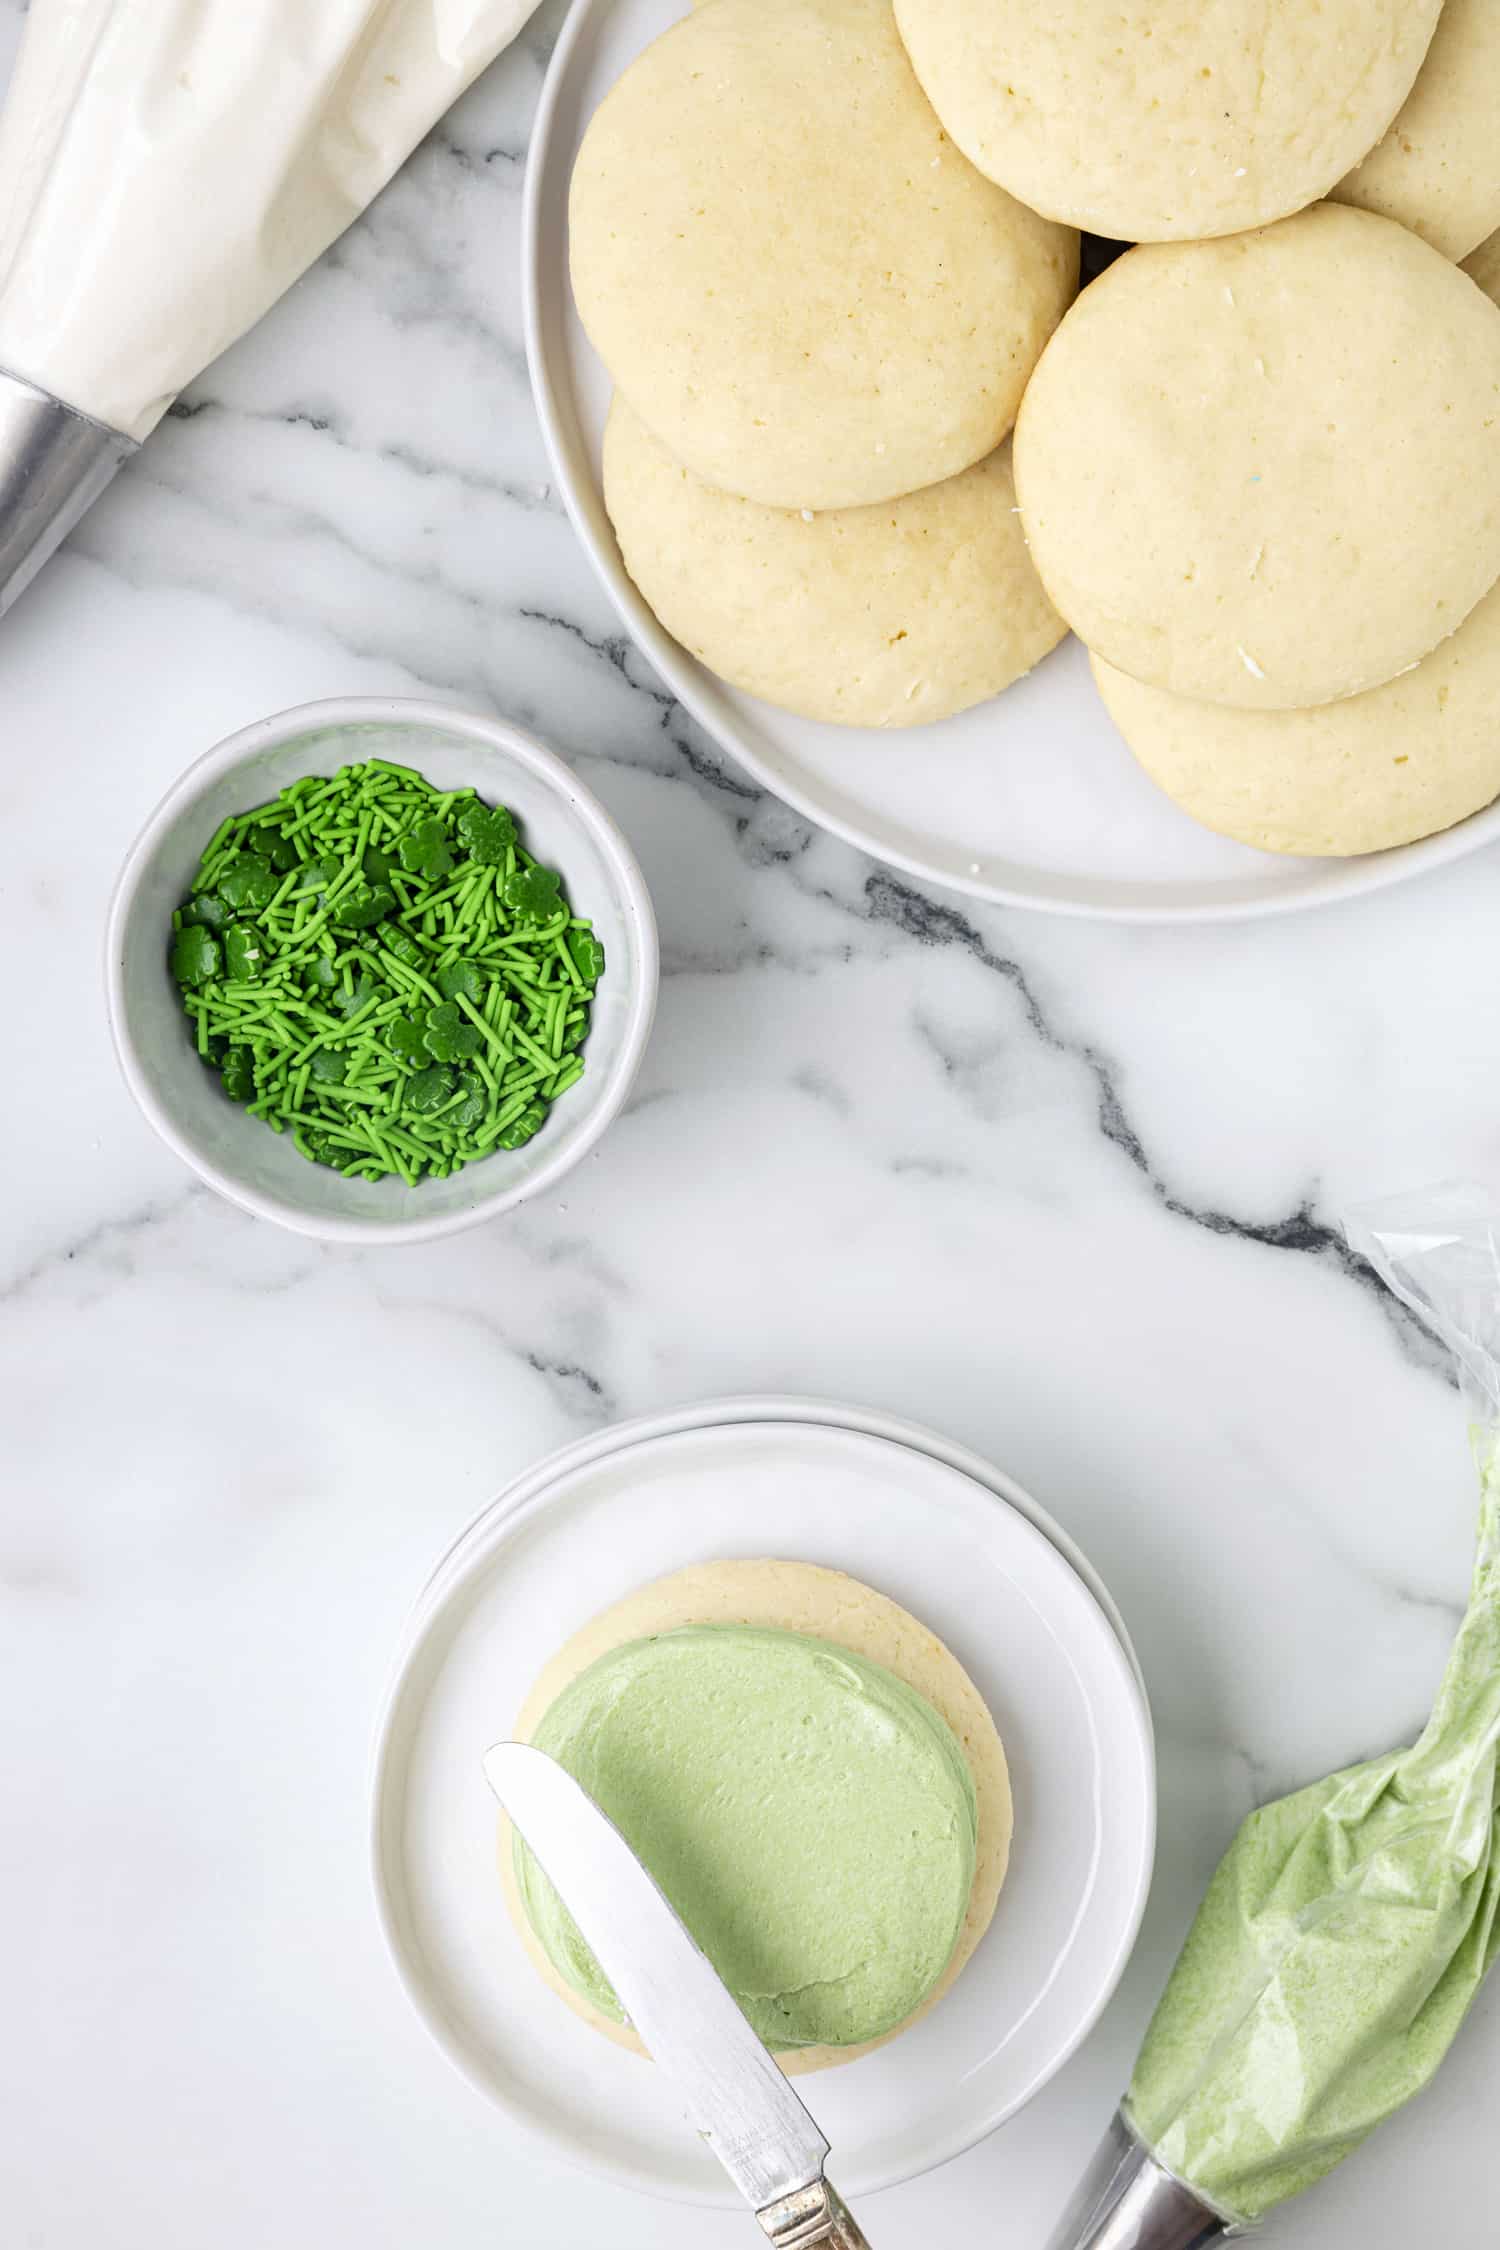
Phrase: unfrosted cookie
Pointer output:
(1402, 761)
(1166, 120)
(882, 616)
(794, 1597)
(1483, 265)
(793, 276)
(1438, 168)
(1266, 470)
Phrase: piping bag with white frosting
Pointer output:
(167, 169)
(1349, 1926)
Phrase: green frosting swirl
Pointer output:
(809, 1815)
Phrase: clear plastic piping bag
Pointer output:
(1349, 1926)
(168, 168)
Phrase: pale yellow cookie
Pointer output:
(1266, 470)
(884, 616)
(792, 275)
(1402, 761)
(1483, 266)
(1166, 120)
(795, 1597)
(1438, 168)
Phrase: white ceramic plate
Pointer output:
(994, 1587)
(1031, 800)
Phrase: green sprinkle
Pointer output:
(196, 956)
(584, 955)
(487, 835)
(210, 912)
(531, 893)
(248, 883)
(525, 1127)
(462, 980)
(379, 970)
(239, 1074)
(244, 952)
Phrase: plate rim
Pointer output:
(795, 1407)
(1331, 882)
(532, 1492)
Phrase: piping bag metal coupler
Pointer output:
(1127, 2201)
(54, 463)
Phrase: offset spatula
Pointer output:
(733, 2092)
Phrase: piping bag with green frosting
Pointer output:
(1350, 1926)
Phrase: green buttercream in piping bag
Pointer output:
(1349, 1927)
(810, 1816)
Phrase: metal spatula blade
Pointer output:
(734, 2093)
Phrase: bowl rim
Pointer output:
(491, 734)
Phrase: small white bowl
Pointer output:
(563, 827)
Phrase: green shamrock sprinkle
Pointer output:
(448, 1037)
(405, 947)
(525, 1127)
(238, 1074)
(429, 1089)
(471, 1111)
(363, 905)
(425, 851)
(531, 893)
(210, 912)
(588, 955)
(244, 952)
(249, 884)
(406, 1037)
(384, 973)
(362, 994)
(485, 834)
(196, 956)
(463, 979)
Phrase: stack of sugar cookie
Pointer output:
(828, 250)
(819, 318)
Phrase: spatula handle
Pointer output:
(812, 2218)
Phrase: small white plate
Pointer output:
(1042, 1652)
(1031, 800)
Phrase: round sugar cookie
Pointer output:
(1166, 120)
(795, 1598)
(1438, 168)
(1265, 470)
(1379, 769)
(792, 275)
(884, 616)
(1483, 265)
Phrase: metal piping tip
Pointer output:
(1127, 2201)
(54, 463)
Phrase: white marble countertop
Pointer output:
(1068, 1192)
